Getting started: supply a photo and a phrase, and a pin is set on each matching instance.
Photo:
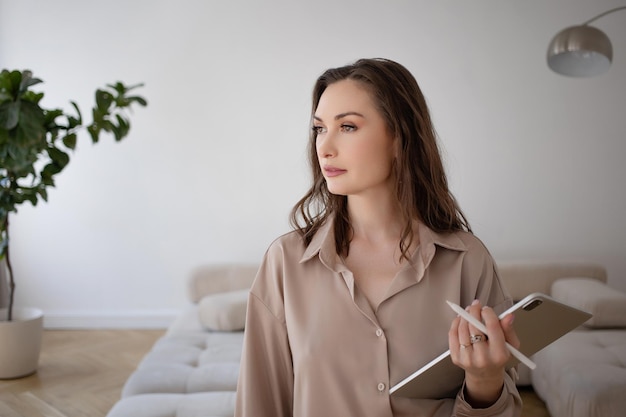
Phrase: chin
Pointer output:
(337, 190)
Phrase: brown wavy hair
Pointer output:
(421, 187)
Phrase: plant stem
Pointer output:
(10, 269)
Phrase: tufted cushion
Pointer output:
(224, 311)
(206, 404)
(188, 364)
(607, 305)
(583, 374)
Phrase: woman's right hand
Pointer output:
(482, 358)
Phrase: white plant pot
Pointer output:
(20, 342)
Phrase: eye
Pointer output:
(348, 127)
(318, 129)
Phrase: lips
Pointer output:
(330, 171)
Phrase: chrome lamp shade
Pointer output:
(580, 51)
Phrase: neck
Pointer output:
(375, 219)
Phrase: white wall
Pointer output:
(214, 164)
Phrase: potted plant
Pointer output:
(34, 147)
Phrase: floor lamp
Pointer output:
(581, 51)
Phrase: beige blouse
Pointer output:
(313, 346)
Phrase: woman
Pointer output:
(353, 300)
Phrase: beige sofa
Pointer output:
(192, 370)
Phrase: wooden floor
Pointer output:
(533, 406)
(81, 373)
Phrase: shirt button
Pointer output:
(379, 332)
(381, 387)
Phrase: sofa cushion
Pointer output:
(188, 363)
(210, 404)
(214, 279)
(224, 311)
(607, 305)
(583, 374)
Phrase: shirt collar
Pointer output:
(450, 241)
(323, 243)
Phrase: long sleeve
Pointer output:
(491, 292)
(265, 386)
(508, 405)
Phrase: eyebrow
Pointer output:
(341, 115)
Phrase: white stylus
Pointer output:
(480, 326)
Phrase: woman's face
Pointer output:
(354, 148)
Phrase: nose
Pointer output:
(326, 146)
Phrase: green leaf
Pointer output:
(70, 140)
(80, 116)
(32, 197)
(4, 138)
(72, 123)
(104, 99)
(5, 83)
(9, 114)
(107, 126)
(32, 97)
(48, 173)
(138, 99)
(59, 157)
(28, 80)
(13, 81)
(51, 115)
(123, 126)
(94, 132)
(43, 193)
(31, 129)
(119, 87)
(116, 132)
(132, 87)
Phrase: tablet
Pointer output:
(539, 321)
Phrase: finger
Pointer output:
(465, 347)
(464, 332)
(453, 339)
(492, 323)
(460, 348)
(509, 330)
(498, 351)
(475, 310)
